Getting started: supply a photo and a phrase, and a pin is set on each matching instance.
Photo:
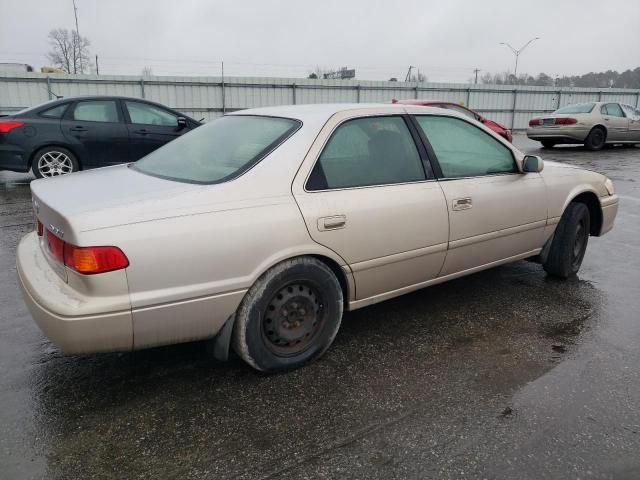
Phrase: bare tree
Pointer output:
(417, 77)
(147, 72)
(69, 51)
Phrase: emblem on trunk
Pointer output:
(55, 230)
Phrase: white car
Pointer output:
(260, 228)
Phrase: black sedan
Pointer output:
(70, 134)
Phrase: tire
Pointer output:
(596, 139)
(54, 161)
(264, 334)
(569, 242)
(548, 143)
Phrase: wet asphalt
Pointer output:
(503, 374)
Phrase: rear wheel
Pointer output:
(290, 316)
(596, 139)
(53, 162)
(569, 242)
(548, 143)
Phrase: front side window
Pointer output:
(612, 109)
(365, 152)
(218, 151)
(631, 112)
(145, 114)
(464, 150)
(55, 112)
(96, 111)
(576, 108)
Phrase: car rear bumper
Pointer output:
(65, 315)
(560, 133)
(80, 321)
(13, 158)
(609, 211)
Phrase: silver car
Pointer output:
(593, 124)
(260, 228)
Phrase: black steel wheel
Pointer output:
(290, 316)
(293, 318)
(569, 242)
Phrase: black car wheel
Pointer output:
(290, 316)
(548, 143)
(596, 139)
(569, 242)
(54, 161)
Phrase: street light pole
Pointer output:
(518, 52)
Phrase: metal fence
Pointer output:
(210, 97)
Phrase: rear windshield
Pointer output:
(218, 151)
(577, 108)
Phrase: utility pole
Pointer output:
(78, 42)
(476, 70)
(97, 66)
(408, 76)
(518, 52)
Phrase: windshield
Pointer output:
(218, 151)
(577, 108)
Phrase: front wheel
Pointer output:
(54, 161)
(290, 316)
(569, 242)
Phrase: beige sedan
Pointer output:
(259, 229)
(594, 124)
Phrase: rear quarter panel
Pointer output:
(188, 274)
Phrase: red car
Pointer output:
(501, 130)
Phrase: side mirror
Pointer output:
(182, 123)
(532, 164)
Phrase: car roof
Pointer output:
(319, 112)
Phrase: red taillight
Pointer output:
(566, 121)
(86, 260)
(56, 246)
(535, 121)
(8, 125)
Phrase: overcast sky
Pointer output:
(446, 39)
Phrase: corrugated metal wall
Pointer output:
(209, 97)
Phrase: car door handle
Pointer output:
(462, 203)
(78, 129)
(335, 222)
(142, 131)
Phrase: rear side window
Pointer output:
(145, 114)
(218, 151)
(612, 109)
(55, 112)
(464, 150)
(96, 111)
(368, 151)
